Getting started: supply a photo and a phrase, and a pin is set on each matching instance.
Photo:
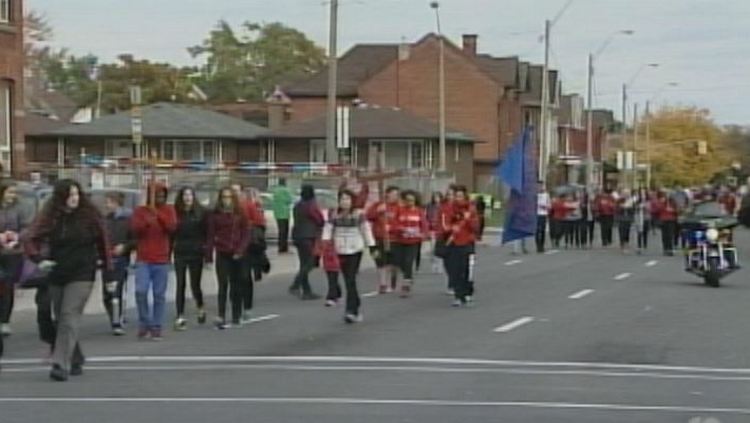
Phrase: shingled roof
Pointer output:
(372, 123)
(355, 67)
(504, 70)
(167, 120)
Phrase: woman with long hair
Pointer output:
(432, 211)
(308, 224)
(73, 230)
(642, 219)
(411, 229)
(350, 233)
(229, 235)
(189, 245)
(13, 220)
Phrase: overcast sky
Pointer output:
(700, 44)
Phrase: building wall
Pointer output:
(412, 84)
(11, 70)
(304, 108)
(41, 150)
(292, 151)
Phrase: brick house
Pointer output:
(488, 97)
(11, 87)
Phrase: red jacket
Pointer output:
(667, 211)
(254, 212)
(228, 233)
(463, 223)
(411, 224)
(558, 210)
(605, 205)
(153, 230)
(729, 202)
(442, 228)
(361, 196)
(383, 222)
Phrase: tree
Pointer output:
(249, 64)
(675, 137)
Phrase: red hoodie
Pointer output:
(228, 233)
(558, 209)
(463, 223)
(254, 212)
(411, 225)
(382, 221)
(667, 211)
(605, 205)
(153, 230)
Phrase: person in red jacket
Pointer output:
(668, 214)
(606, 206)
(558, 212)
(412, 229)
(153, 226)
(229, 236)
(382, 217)
(462, 227)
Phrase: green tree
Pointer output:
(247, 64)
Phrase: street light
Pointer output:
(625, 86)
(648, 129)
(441, 86)
(590, 105)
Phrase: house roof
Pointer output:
(167, 120)
(372, 123)
(504, 70)
(532, 96)
(35, 124)
(355, 67)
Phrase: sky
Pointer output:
(702, 45)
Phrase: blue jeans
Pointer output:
(153, 277)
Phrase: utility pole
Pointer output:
(590, 127)
(331, 150)
(543, 127)
(441, 87)
(624, 129)
(648, 145)
(635, 146)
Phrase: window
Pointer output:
(189, 150)
(6, 115)
(4, 11)
(317, 151)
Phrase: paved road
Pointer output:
(571, 336)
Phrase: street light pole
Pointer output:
(544, 147)
(648, 145)
(441, 87)
(590, 126)
(635, 147)
(331, 150)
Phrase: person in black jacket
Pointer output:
(121, 242)
(308, 226)
(189, 247)
(74, 232)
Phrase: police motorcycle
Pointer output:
(710, 253)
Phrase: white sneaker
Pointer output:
(331, 303)
(180, 324)
(5, 329)
(354, 318)
(247, 318)
(450, 292)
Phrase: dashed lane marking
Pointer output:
(550, 252)
(371, 294)
(580, 294)
(513, 262)
(514, 324)
(623, 276)
(651, 263)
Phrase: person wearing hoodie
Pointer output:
(411, 229)
(463, 227)
(153, 226)
(229, 236)
(189, 249)
(349, 231)
(121, 243)
(13, 220)
(308, 224)
(73, 232)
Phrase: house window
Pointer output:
(416, 161)
(188, 150)
(4, 11)
(317, 151)
(6, 115)
(400, 154)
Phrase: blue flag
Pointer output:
(519, 172)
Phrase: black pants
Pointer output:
(230, 274)
(334, 289)
(349, 270)
(306, 264)
(407, 255)
(590, 225)
(418, 258)
(623, 229)
(571, 232)
(113, 296)
(643, 235)
(283, 225)
(457, 261)
(541, 233)
(606, 223)
(248, 286)
(556, 232)
(7, 300)
(668, 229)
(194, 267)
(47, 325)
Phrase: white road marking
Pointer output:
(263, 318)
(651, 263)
(623, 276)
(371, 359)
(371, 294)
(374, 401)
(514, 324)
(581, 294)
(513, 262)
(550, 252)
(411, 369)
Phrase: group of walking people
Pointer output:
(572, 217)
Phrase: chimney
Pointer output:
(470, 44)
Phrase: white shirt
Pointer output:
(542, 204)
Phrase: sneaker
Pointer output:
(117, 330)
(156, 335)
(5, 329)
(469, 299)
(201, 317)
(310, 296)
(389, 289)
(180, 324)
(450, 292)
(353, 318)
(220, 324)
(457, 303)
(143, 334)
(58, 374)
(405, 291)
(293, 290)
(76, 369)
(331, 303)
(247, 317)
